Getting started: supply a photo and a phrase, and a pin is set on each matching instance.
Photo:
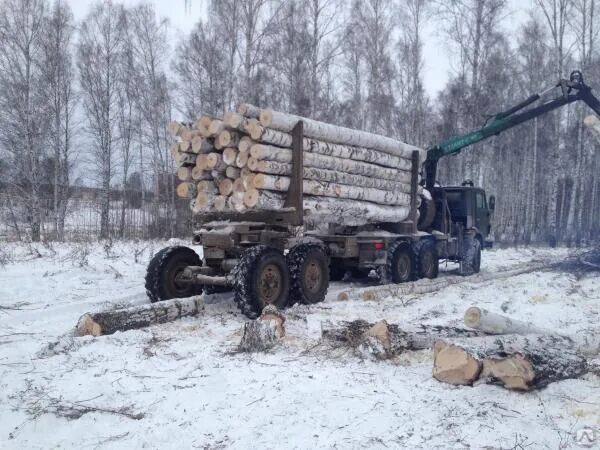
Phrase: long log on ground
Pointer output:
(402, 182)
(514, 361)
(593, 123)
(426, 286)
(401, 338)
(109, 322)
(334, 190)
(492, 323)
(271, 153)
(336, 134)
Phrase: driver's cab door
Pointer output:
(482, 213)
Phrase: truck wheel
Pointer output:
(260, 278)
(162, 272)
(309, 274)
(428, 265)
(471, 262)
(401, 263)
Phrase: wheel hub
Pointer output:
(313, 277)
(403, 267)
(270, 284)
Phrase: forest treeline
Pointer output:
(89, 100)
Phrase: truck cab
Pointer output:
(469, 206)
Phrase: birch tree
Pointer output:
(99, 54)
(24, 103)
(59, 77)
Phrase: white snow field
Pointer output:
(180, 385)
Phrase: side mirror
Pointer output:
(492, 203)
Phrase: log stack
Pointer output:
(243, 161)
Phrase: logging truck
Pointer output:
(272, 257)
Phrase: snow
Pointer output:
(181, 385)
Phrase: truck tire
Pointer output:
(260, 278)
(428, 265)
(471, 262)
(162, 272)
(309, 274)
(401, 264)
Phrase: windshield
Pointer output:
(456, 203)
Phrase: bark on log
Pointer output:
(401, 338)
(402, 183)
(593, 123)
(248, 110)
(514, 361)
(220, 203)
(234, 121)
(199, 174)
(236, 201)
(325, 189)
(186, 159)
(208, 187)
(227, 138)
(242, 159)
(271, 153)
(109, 322)
(262, 334)
(202, 145)
(336, 134)
(492, 323)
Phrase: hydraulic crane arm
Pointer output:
(573, 90)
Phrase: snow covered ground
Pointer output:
(179, 385)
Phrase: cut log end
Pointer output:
(514, 372)
(453, 365)
(87, 326)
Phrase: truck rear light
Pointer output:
(378, 245)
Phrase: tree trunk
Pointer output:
(492, 323)
(109, 322)
(514, 361)
(331, 133)
(326, 189)
(402, 182)
(401, 339)
(271, 153)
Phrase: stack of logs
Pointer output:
(243, 161)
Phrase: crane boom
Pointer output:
(573, 90)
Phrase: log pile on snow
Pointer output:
(494, 349)
(243, 161)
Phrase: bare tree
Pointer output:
(149, 45)
(59, 75)
(99, 52)
(24, 100)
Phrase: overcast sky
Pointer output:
(438, 58)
